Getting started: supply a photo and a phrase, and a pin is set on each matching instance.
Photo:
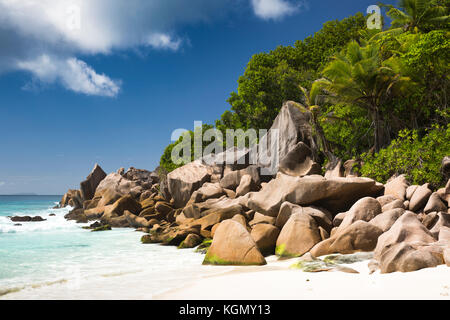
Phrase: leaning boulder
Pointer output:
(298, 236)
(420, 198)
(88, 186)
(182, 182)
(233, 245)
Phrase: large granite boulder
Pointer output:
(435, 203)
(364, 209)
(336, 194)
(298, 236)
(183, 181)
(233, 245)
(406, 246)
(396, 187)
(88, 186)
(112, 186)
(386, 220)
(265, 236)
(232, 179)
(125, 203)
(291, 126)
(72, 198)
(143, 178)
(135, 221)
(359, 236)
(420, 198)
(299, 161)
(207, 191)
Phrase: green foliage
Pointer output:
(273, 78)
(166, 163)
(418, 158)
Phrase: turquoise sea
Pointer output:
(57, 259)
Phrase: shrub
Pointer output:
(418, 158)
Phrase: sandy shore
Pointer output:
(276, 281)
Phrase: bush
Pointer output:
(418, 158)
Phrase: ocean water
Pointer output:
(57, 259)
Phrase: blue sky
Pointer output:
(114, 92)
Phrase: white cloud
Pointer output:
(72, 73)
(162, 41)
(274, 9)
(45, 37)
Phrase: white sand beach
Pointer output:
(276, 281)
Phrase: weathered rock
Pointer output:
(245, 186)
(88, 186)
(77, 215)
(337, 220)
(232, 179)
(27, 219)
(393, 205)
(135, 221)
(396, 187)
(298, 236)
(299, 161)
(410, 191)
(143, 178)
(384, 200)
(434, 204)
(112, 188)
(407, 229)
(408, 256)
(233, 245)
(72, 198)
(386, 220)
(292, 125)
(117, 209)
(322, 216)
(207, 191)
(260, 218)
(359, 236)
(191, 241)
(239, 218)
(351, 168)
(336, 194)
(265, 237)
(419, 198)
(364, 209)
(443, 220)
(334, 169)
(182, 182)
(429, 220)
(163, 208)
(215, 216)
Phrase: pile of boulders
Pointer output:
(250, 214)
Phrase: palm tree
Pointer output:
(311, 102)
(418, 15)
(358, 76)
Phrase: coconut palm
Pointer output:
(311, 100)
(358, 76)
(418, 15)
